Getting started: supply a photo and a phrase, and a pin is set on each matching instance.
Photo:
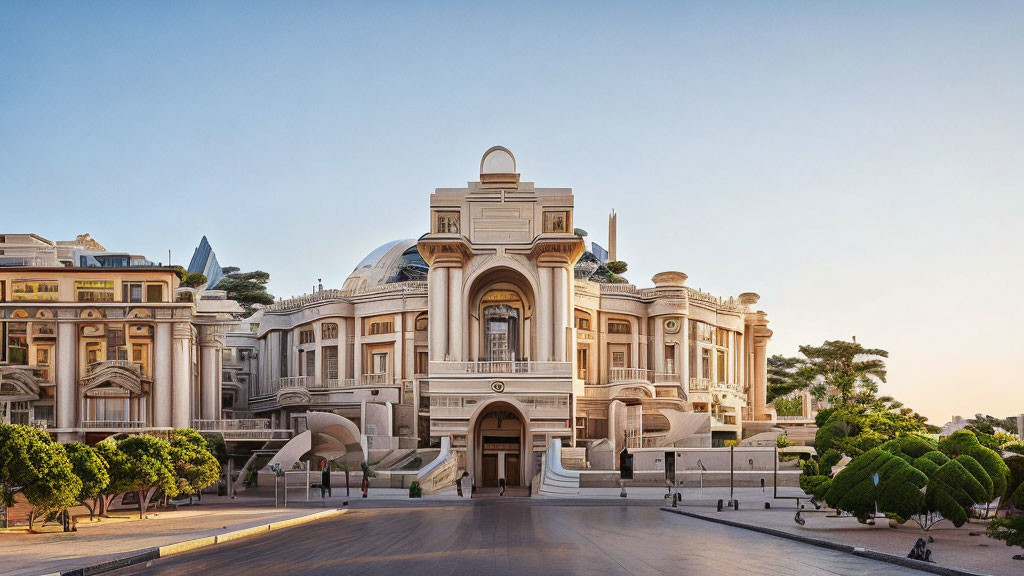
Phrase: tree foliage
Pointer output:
(787, 375)
(195, 467)
(247, 288)
(854, 430)
(898, 491)
(140, 464)
(1009, 530)
(91, 469)
(34, 465)
(965, 442)
(846, 371)
(617, 266)
(952, 490)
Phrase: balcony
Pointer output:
(502, 367)
(666, 378)
(243, 429)
(628, 375)
(113, 424)
(104, 364)
(313, 384)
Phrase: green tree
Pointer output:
(34, 465)
(788, 374)
(91, 469)
(953, 489)
(246, 288)
(845, 371)
(194, 465)
(1009, 530)
(965, 442)
(140, 464)
(617, 267)
(899, 490)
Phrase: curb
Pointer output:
(150, 554)
(856, 551)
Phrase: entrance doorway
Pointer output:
(499, 444)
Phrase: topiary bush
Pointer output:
(952, 489)
(965, 443)
(898, 491)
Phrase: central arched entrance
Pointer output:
(499, 440)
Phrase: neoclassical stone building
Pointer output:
(86, 352)
(496, 330)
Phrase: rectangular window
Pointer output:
(329, 331)
(154, 293)
(310, 363)
(131, 292)
(381, 327)
(447, 223)
(722, 337)
(44, 413)
(307, 337)
(422, 360)
(283, 339)
(93, 352)
(330, 362)
(618, 359)
(556, 222)
(583, 323)
(723, 375)
(35, 290)
(705, 363)
(380, 363)
(94, 290)
(618, 328)
(115, 344)
(17, 343)
(42, 356)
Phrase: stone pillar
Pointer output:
(211, 351)
(67, 372)
(162, 382)
(399, 358)
(684, 363)
(474, 337)
(560, 296)
(182, 376)
(437, 301)
(343, 359)
(456, 321)
(357, 350)
(544, 321)
(659, 346)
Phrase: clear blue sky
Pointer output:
(860, 165)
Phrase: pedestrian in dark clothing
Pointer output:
(501, 484)
(325, 478)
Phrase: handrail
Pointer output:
(627, 374)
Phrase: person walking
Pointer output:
(325, 478)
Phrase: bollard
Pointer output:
(735, 504)
(767, 505)
(719, 504)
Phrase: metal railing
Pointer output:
(627, 374)
(118, 424)
(502, 367)
(311, 383)
(247, 428)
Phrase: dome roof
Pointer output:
(395, 261)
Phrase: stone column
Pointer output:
(684, 363)
(343, 359)
(659, 345)
(437, 301)
(399, 358)
(162, 382)
(456, 321)
(182, 376)
(67, 371)
(544, 324)
(474, 337)
(357, 350)
(560, 296)
(209, 382)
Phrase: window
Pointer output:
(422, 360)
(723, 376)
(115, 344)
(330, 361)
(307, 337)
(310, 363)
(17, 343)
(283, 339)
(380, 363)
(381, 327)
(154, 292)
(42, 356)
(447, 223)
(94, 290)
(44, 413)
(705, 363)
(556, 222)
(702, 331)
(35, 290)
(329, 331)
(93, 351)
(618, 328)
(722, 337)
(421, 323)
(618, 359)
(582, 321)
(131, 292)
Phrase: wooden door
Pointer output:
(512, 469)
(489, 474)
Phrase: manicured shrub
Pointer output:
(965, 443)
(1015, 464)
(952, 489)
(829, 459)
(898, 491)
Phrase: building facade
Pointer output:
(498, 330)
(86, 352)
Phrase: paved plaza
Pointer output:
(514, 536)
